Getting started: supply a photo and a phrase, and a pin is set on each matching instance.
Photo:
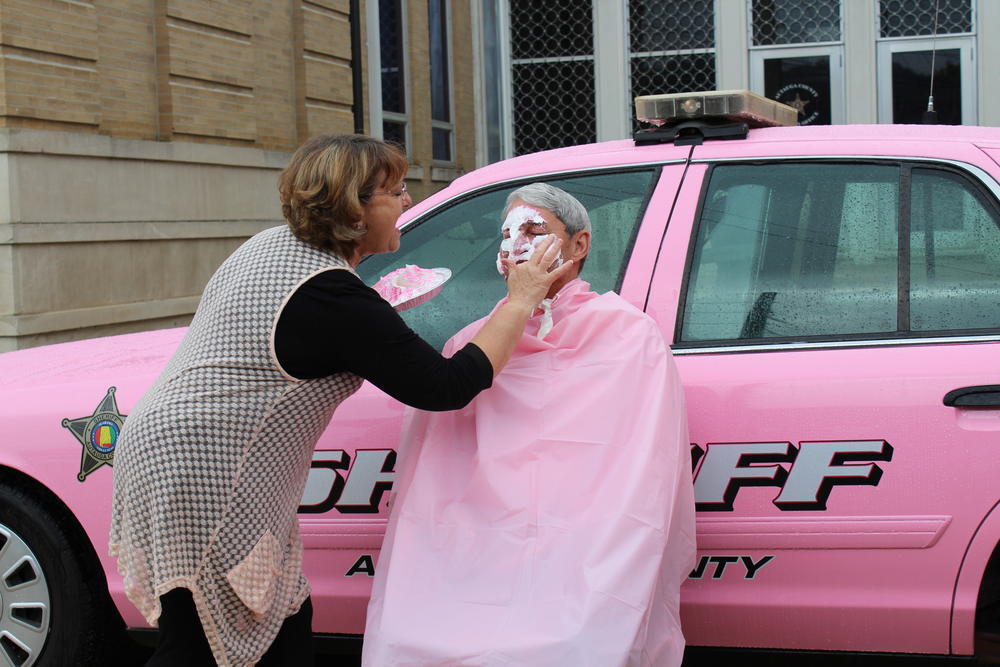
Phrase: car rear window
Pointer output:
(798, 251)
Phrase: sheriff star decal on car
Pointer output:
(98, 433)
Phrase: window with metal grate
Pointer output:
(925, 61)
(912, 18)
(392, 50)
(552, 62)
(672, 47)
(794, 22)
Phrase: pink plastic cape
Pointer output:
(551, 521)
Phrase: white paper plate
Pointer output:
(402, 295)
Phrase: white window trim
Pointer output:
(732, 64)
(373, 48)
(611, 69)
(888, 46)
(487, 88)
(836, 53)
(507, 80)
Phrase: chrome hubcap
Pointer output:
(24, 602)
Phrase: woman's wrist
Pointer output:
(521, 306)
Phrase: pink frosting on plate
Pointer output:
(411, 285)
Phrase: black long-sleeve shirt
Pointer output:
(335, 323)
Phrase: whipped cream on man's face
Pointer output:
(521, 238)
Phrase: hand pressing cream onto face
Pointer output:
(523, 232)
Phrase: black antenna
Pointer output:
(930, 116)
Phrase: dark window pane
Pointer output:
(910, 18)
(553, 105)
(441, 140)
(795, 22)
(394, 132)
(795, 250)
(802, 83)
(911, 85)
(465, 238)
(655, 25)
(438, 25)
(391, 54)
(954, 254)
(554, 28)
(660, 75)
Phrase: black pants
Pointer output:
(183, 642)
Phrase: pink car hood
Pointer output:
(134, 355)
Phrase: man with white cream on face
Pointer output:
(551, 521)
(527, 226)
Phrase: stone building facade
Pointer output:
(141, 140)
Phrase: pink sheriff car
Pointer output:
(832, 299)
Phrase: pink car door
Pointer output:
(820, 312)
(343, 512)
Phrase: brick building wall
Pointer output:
(239, 72)
(140, 142)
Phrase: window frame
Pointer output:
(631, 57)
(509, 63)
(449, 75)
(750, 31)
(887, 46)
(384, 115)
(983, 186)
(877, 6)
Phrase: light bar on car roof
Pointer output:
(734, 105)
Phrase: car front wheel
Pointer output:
(47, 608)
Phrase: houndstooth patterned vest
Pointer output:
(212, 461)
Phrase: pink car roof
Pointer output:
(836, 140)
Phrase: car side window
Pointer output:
(799, 250)
(954, 254)
(465, 237)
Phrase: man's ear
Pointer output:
(579, 245)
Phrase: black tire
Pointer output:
(50, 613)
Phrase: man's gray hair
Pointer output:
(563, 205)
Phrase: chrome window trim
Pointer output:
(984, 176)
(833, 344)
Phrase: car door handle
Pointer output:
(984, 395)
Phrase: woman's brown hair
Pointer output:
(326, 183)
